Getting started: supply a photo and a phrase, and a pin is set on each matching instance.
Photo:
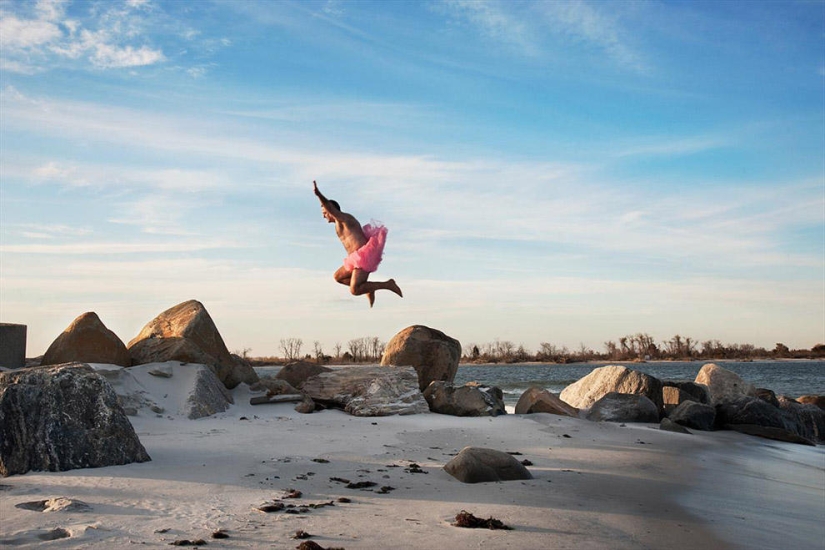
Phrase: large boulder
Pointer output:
(624, 407)
(612, 378)
(479, 465)
(698, 416)
(540, 400)
(756, 412)
(296, 372)
(87, 340)
(57, 418)
(187, 333)
(723, 385)
(433, 354)
(808, 416)
(368, 391)
(467, 400)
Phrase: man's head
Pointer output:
(326, 214)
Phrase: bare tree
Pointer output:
(337, 348)
(319, 352)
(291, 348)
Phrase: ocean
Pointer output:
(792, 378)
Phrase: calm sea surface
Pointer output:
(792, 378)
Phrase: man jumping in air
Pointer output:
(364, 246)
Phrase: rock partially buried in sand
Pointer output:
(540, 400)
(433, 354)
(87, 340)
(480, 465)
(187, 333)
(468, 400)
(368, 391)
(62, 417)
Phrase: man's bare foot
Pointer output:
(394, 287)
(371, 297)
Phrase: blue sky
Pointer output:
(561, 172)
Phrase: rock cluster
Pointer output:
(184, 333)
(716, 399)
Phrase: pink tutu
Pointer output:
(369, 256)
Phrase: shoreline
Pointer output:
(596, 485)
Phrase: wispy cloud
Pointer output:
(541, 29)
(106, 38)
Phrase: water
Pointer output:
(792, 378)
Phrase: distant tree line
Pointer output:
(367, 349)
(635, 347)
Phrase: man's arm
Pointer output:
(325, 202)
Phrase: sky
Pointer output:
(565, 172)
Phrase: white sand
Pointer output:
(605, 486)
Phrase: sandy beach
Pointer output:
(596, 485)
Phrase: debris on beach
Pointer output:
(361, 485)
(301, 534)
(312, 545)
(187, 542)
(468, 520)
(220, 534)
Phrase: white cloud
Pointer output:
(109, 56)
(16, 34)
(29, 44)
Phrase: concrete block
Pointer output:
(12, 346)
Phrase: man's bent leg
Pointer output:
(359, 285)
(343, 276)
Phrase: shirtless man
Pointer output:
(364, 246)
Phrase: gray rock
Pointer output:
(87, 340)
(207, 395)
(808, 416)
(368, 391)
(187, 333)
(723, 385)
(612, 378)
(433, 354)
(57, 418)
(296, 372)
(767, 395)
(479, 465)
(623, 407)
(467, 400)
(670, 426)
(698, 416)
(540, 400)
(756, 412)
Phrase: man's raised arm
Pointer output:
(325, 202)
